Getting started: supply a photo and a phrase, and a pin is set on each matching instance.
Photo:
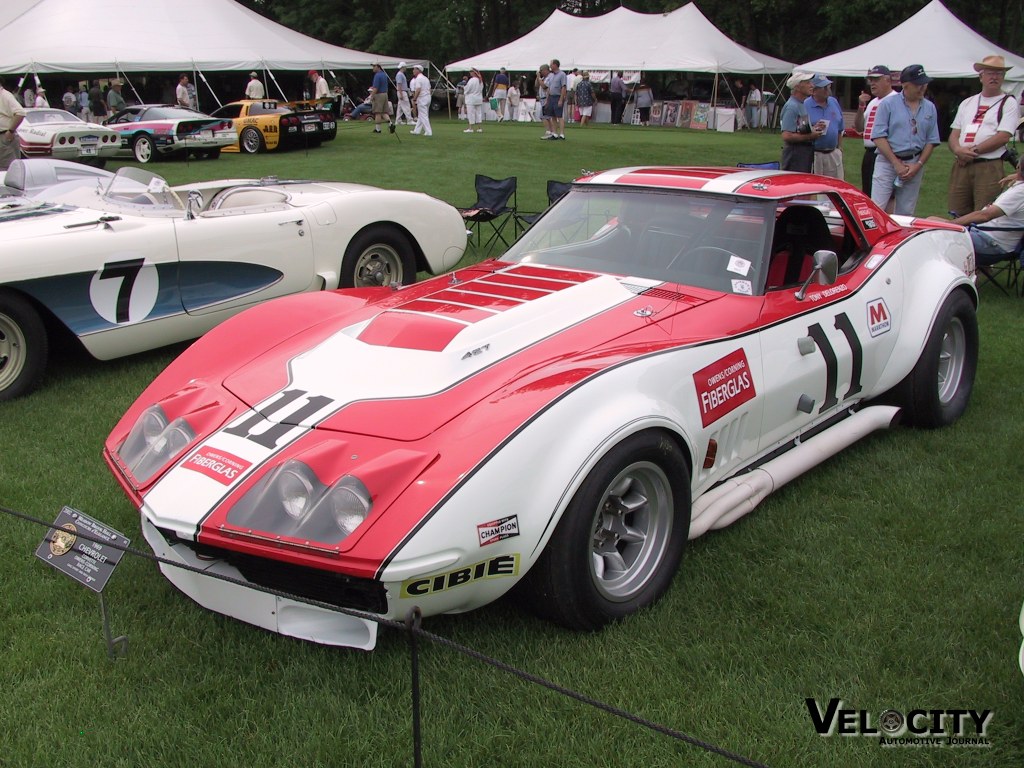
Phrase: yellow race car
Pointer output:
(267, 124)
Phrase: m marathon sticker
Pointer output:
(86, 561)
(723, 386)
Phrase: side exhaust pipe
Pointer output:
(738, 496)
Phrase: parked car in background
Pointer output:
(268, 125)
(151, 131)
(660, 351)
(127, 263)
(59, 134)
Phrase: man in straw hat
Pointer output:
(983, 125)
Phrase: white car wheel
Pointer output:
(377, 256)
(23, 346)
(251, 141)
(143, 150)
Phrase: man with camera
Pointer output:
(798, 134)
(984, 123)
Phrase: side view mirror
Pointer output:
(824, 272)
(193, 204)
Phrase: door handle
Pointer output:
(296, 222)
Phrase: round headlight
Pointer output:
(350, 503)
(295, 492)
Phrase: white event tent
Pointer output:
(73, 36)
(683, 40)
(933, 37)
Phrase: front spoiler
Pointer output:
(286, 617)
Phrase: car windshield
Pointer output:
(683, 237)
(40, 116)
(136, 187)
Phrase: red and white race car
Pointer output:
(659, 352)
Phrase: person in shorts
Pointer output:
(554, 108)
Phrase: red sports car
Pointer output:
(663, 349)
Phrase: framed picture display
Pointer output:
(686, 110)
(670, 113)
(699, 121)
(656, 110)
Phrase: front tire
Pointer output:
(379, 255)
(23, 346)
(937, 391)
(619, 542)
(250, 141)
(143, 150)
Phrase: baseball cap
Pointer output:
(418, 66)
(798, 77)
(401, 65)
(311, 72)
(253, 74)
(820, 81)
(879, 70)
(914, 74)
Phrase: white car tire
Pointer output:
(379, 255)
(24, 346)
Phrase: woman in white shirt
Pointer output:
(475, 101)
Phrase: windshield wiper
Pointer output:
(105, 220)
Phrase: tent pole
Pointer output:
(124, 76)
(208, 87)
(279, 88)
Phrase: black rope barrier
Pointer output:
(412, 624)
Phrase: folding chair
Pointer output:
(492, 208)
(556, 191)
(1011, 265)
(772, 165)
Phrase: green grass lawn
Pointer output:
(891, 576)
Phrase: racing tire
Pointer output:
(619, 543)
(143, 149)
(250, 141)
(380, 255)
(24, 346)
(937, 391)
(212, 154)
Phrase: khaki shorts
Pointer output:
(379, 103)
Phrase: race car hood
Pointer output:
(432, 344)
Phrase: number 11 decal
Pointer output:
(828, 353)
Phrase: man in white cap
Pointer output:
(404, 113)
(420, 87)
(254, 90)
(980, 130)
(798, 135)
(880, 86)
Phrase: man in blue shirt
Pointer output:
(906, 132)
(798, 133)
(379, 97)
(824, 110)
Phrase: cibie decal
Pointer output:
(723, 386)
(879, 319)
(500, 567)
(496, 530)
(222, 466)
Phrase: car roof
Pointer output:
(754, 182)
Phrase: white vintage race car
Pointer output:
(659, 352)
(127, 263)
(62, 136)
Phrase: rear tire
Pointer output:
(937, 391)
(24, 346)
(379, 255)
(250, 141)
(143, 149)
(620, 541)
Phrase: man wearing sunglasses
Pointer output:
(906, 132)
(984, 123)
(880, 84)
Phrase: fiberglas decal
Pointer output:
(222, 466)
(723, 386)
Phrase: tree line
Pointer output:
(457, 29)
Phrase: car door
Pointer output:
(240, 254)
(824, 350)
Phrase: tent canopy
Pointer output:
(932, 37)
(680, 41)
(47, 36)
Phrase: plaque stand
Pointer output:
(116, 646)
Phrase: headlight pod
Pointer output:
(291, 501)
(153, 442)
